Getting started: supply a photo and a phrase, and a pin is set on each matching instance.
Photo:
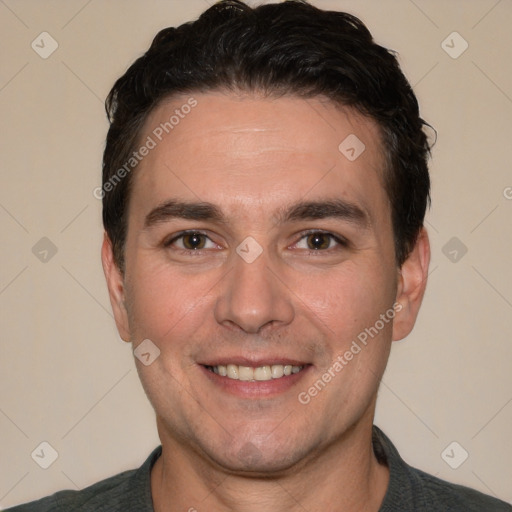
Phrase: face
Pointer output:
(256, 248)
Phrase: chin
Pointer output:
(247, 458)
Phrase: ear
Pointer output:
(412, 281)
(115, 284)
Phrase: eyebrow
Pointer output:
(333, 208)
(173, 209)
(303, 210)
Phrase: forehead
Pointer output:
(253, 154)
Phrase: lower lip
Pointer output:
(258, 388)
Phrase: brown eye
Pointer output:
(317, 241)
(193, 241)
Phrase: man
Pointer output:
(264, 189)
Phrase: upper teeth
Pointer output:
(234, 371)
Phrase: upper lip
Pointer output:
(254, 362)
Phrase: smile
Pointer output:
(260, 373)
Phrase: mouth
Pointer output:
(255, 380)
(253, 374)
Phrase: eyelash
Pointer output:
(341, 242)
(168, 243)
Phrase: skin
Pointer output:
(252, 156)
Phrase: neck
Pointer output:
(346, 472)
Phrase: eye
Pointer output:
(191, 241)
(319, 241)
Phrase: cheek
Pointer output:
(165, 304)
(349, 299)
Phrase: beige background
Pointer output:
(68, 379)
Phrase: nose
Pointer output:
(253, 297)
